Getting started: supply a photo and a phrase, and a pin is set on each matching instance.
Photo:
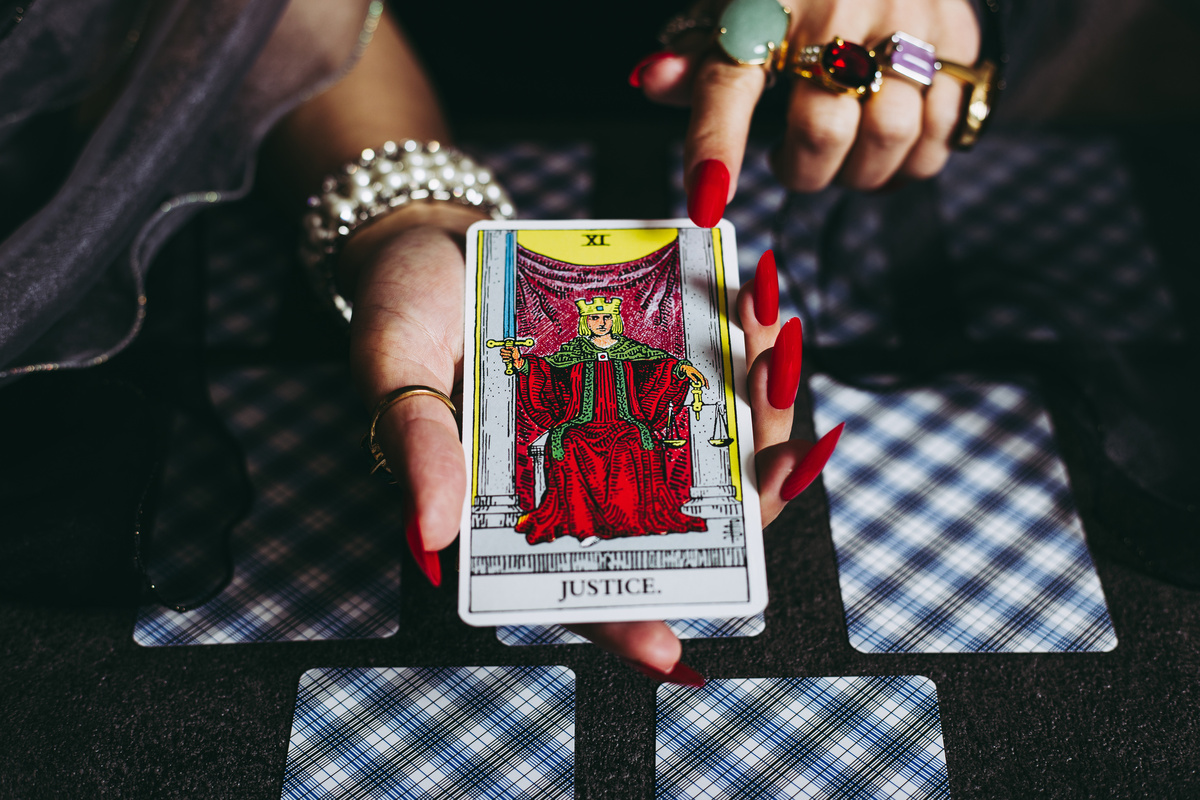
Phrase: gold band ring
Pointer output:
(980, 85)
(389, 400)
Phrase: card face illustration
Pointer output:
(607, 435)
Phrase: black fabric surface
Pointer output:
(88, 713)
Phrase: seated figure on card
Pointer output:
(604, 398)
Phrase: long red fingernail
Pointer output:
(635, 77)
(427, 560)
(811, 465)
(783, 374)
(766, 290)
(710, 189)
(681, 675)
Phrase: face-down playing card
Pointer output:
(862, 737)
(429, 733)
(607, 435)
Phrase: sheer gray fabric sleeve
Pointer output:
(208, 80)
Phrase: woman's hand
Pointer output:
(902, 130)
(407, 274)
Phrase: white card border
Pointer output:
(755, 557)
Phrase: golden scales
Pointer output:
(720, 433)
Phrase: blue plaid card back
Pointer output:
(316, 556)
(523, 635)
(546, 180)
(774, 738)
(1052, 242)
(487, 733)
(954, 524)
(1044, 231)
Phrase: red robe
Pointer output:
(605, 468)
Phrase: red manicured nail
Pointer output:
(766, 290)
(710, 189)
(783, 373)
(681, 675)
(427, 560)
(635, 77)
(811, 465)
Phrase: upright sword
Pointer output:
(510, 302)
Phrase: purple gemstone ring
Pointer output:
(909, 57)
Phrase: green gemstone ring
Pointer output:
(754, 32)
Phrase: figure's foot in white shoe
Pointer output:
(589, 541)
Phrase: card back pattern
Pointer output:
(314, 558)
(494, 733)
(954, 524)
(862, 737)
(737, 627)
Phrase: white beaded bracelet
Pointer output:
(383, 181)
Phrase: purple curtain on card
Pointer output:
(649, 288)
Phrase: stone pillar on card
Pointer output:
(712, 495)
(495, 504)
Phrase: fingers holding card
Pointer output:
(606, 428)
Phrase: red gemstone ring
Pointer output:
(840, 67)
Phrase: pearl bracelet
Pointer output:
(380, 182)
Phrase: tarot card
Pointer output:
(609, 450)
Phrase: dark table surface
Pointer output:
(89, 713)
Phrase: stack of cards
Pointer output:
(606, 428)
(524, 635)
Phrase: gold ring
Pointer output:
(980, 85)
(403, 393)
(839, 67)
(753, 33)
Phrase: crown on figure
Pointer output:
(598, 305)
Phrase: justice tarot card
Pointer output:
(607, 432)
